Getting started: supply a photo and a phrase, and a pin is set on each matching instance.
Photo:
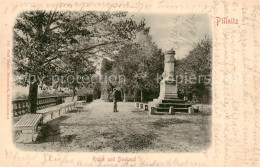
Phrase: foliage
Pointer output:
(140, 62)
(97, 91)
(196, 65)
(53, 43)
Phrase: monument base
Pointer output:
(168, 106)
(168, 89)
(168, 101)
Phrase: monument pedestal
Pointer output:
(168, 89)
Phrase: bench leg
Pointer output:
(33, 133)
(17, 133)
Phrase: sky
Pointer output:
(177, 32)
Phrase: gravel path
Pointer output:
(99, 129)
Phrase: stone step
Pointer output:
(169, 97)
(175, 105)
(181, 110)
(167, 113)
(173, 101)
(166, 109)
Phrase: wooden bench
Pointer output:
(31, 121)
(28, 122)
(56, 111)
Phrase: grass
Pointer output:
(167, 122)
(135, 142)
(129, 130)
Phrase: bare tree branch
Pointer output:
(95, 46)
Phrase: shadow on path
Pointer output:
(50, 132)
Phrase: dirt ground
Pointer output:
(98, 129)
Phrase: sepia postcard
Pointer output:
(130, 83)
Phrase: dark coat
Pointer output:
(116, 95)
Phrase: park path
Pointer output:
(98, 128)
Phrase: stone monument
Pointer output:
(168, 101)
(168, 86)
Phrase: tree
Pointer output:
(40, 38)
(76, 74)
(197, 65)
(97, 91)
(150, 65)
(140, 62)
(52, 43)
(126, 64)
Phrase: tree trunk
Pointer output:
(124, 96)
(74, 94)
(33, 92)
(134, 95)
(141, 95)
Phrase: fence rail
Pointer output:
(21, 106)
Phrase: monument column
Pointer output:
(168, 86)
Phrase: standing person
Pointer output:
(115, 100)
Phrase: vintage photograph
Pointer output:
(123, 82)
